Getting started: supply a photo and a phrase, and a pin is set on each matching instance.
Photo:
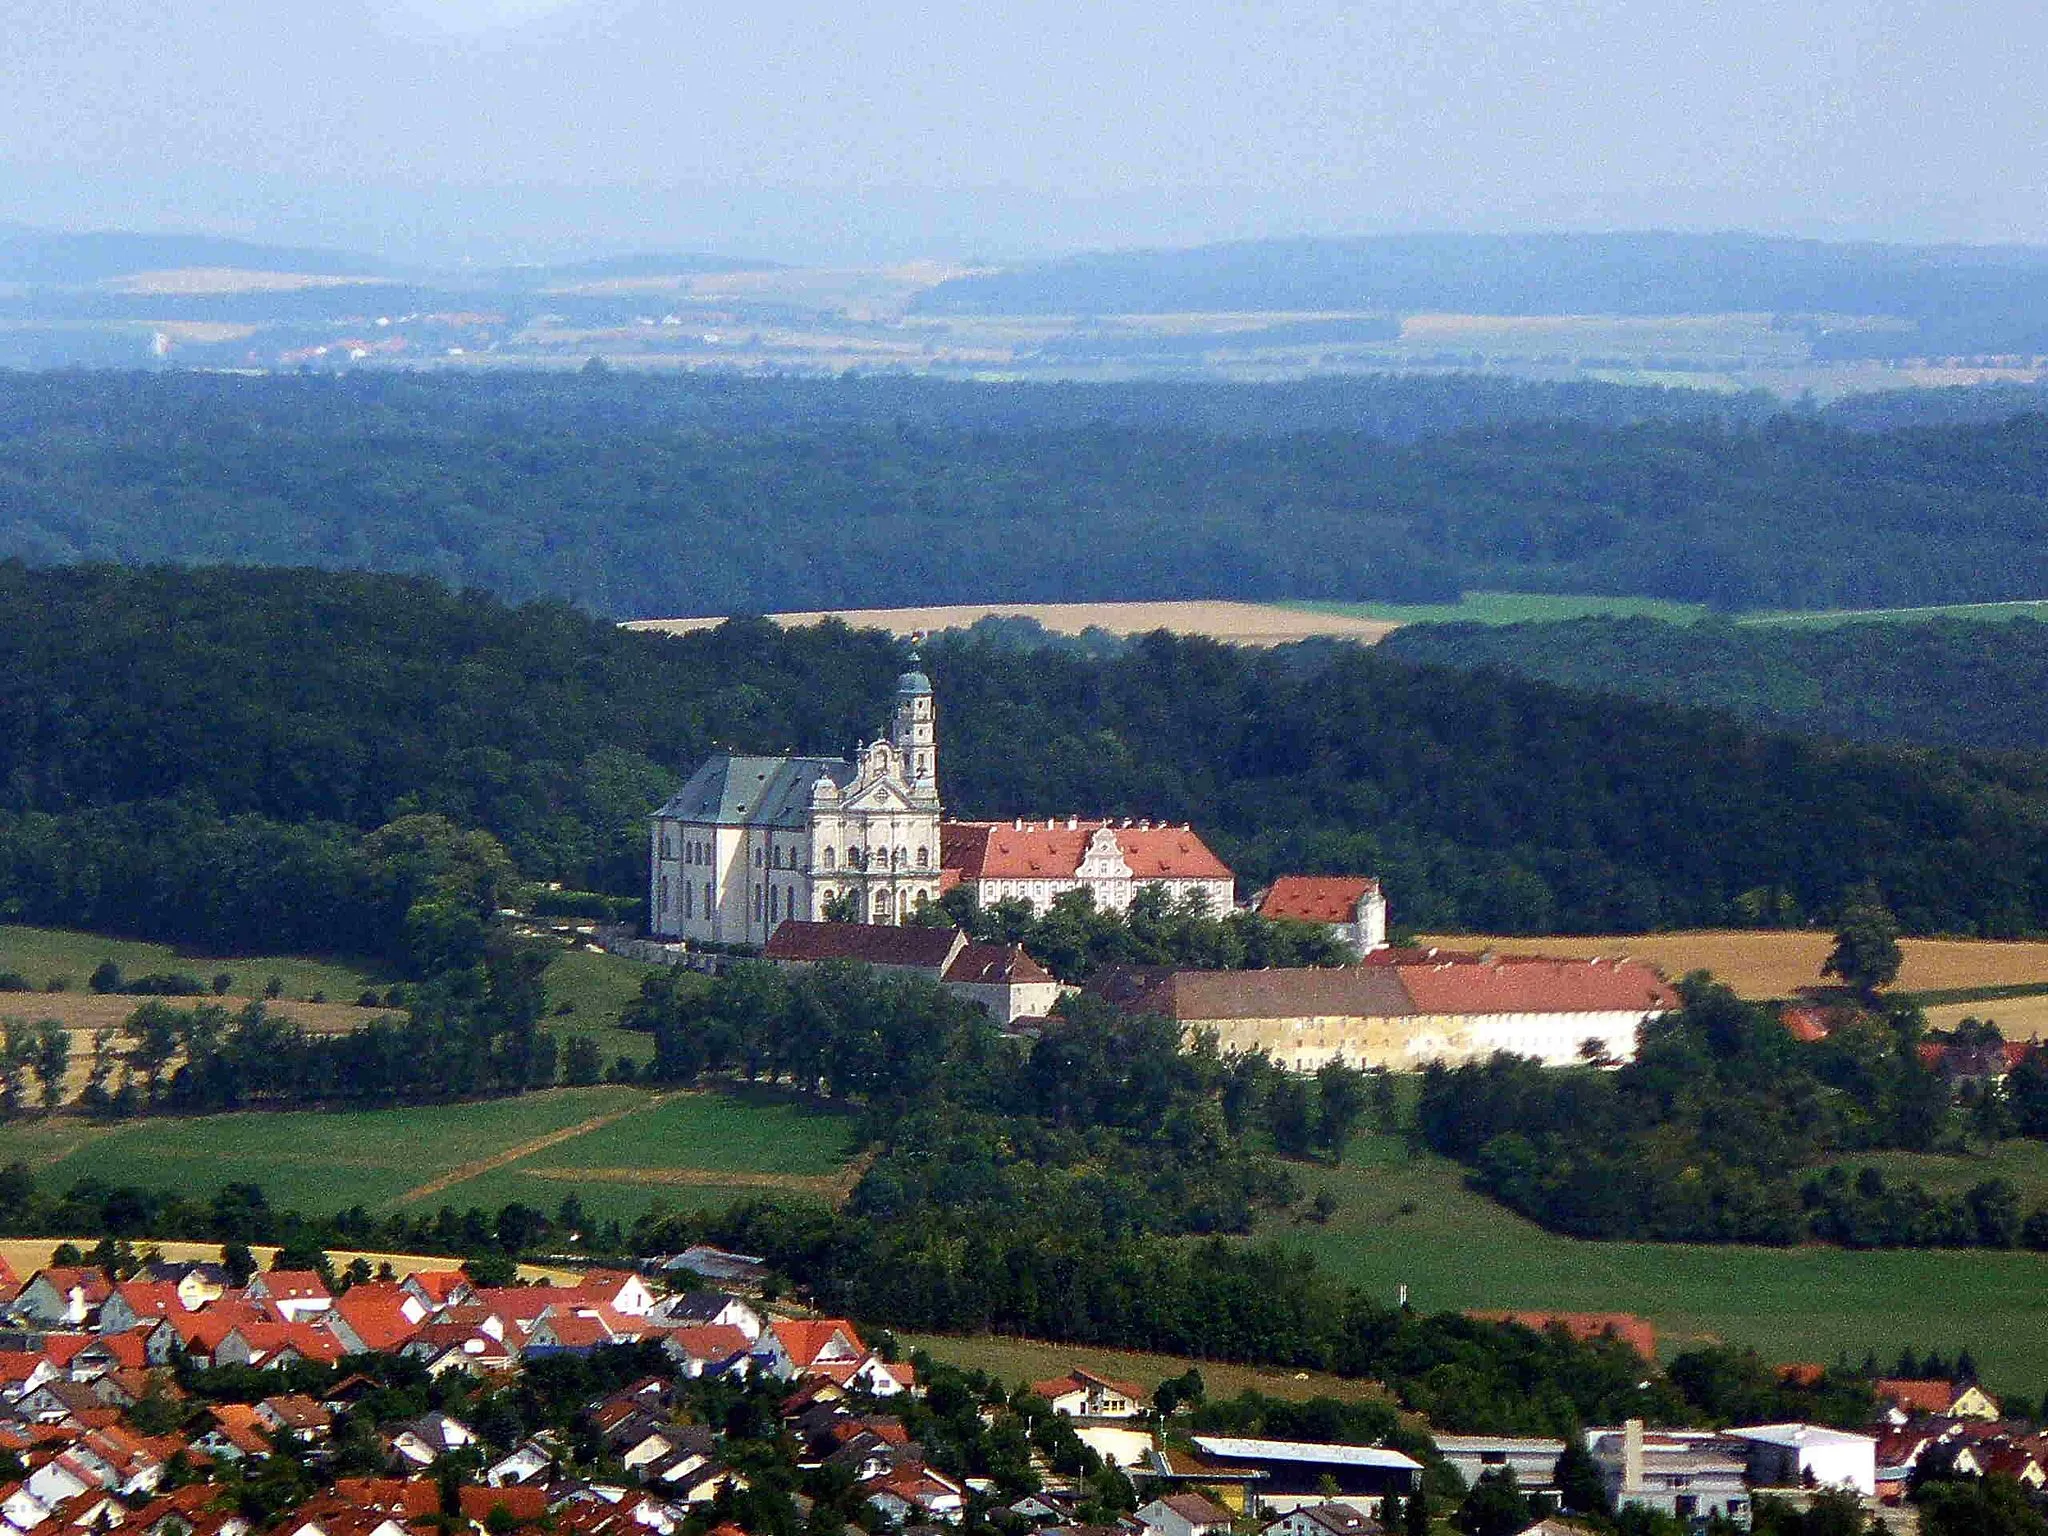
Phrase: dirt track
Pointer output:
(482, 1165)
(1236, 623)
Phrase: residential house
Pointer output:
(1184, 1514)
(1082, 1394)
(829, 1346)
(434, 1289)
(374, 1318)
(198, 1282)
(294, 1294)
(912, 1495)
(525, 1463)
(425, 1440)
(708, 1309)
(1905, 1400)
(1330, 1519)
(295, 1415)
(55, 1297)
(138, 1303)
(622, 1292)
(236, 1435)
(710, 1350)
(516, 1505)
(1293, 1470)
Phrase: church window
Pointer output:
(924, 858)
(757, 903)
(664, 893)
(689, 899)
(707, 898)
(757, 858)
(830, 858)
(774, 903)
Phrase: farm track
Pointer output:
(464, 1172)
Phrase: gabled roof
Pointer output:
(709, 1341)
(1935, 1397)
(995, 965)
(1054, 850)
(1545, 986)
(866, 943)
(730, 790)
(290, 1285)
(1341, 991)
(376, 1315)
(1317, 898)
(805, 1341)
(92, 1282)
(525, 1504)
(150, 1299)
(437, 1285)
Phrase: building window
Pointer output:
(689, 899)
(924, 858)
(757, 904)
(830, 859)
(664, 893)
(882, 912)
(757, 858)
(707, 898)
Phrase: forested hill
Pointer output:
(640, 497)
(197, 756)
(1945, 682)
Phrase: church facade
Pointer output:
(750, 842)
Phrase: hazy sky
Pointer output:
(887, 127)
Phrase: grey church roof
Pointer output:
(734, 791)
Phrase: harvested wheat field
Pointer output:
(1776, 964)
(2017, 1018)
(29, 1254)
(87, 1015)
(1235, 623)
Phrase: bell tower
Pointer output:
(914, 733)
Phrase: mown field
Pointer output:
(1405, 1218)
(624, 1151)
(1775, 963)
(586, 990)
(1040, 1360)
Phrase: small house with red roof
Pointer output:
(1905, 1400)
(294, 1294)
(1081, 1394)
(1352, 907)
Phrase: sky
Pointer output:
(886, 129)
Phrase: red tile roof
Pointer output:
(1053, 850)
(1317, 898)
(1548, 986)
(1935, 1397)
(376, 1314)
(805, 1341)
(1636, 1332)
(711, 1341)
(996, 965)
(525, 1504)
(868, 943)
(291, 1285)
(438, 1284)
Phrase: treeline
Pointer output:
(1943, 682)
(1715, 1133)
(355, 703)
(1074, 938)
(585, 488)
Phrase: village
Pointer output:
(173, 1401)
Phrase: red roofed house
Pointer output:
(373, 1318)
(436, 1288)
(1004, 980)
(1637, 1333)
(1352, 907)
(1084, 1395)
(1035, 861)
(54, 1296)
(1402, 1017)
(294, 1294)
(1906, 1400)
(792, 1347)
(522, 1505)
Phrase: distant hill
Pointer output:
(1989, 295)
(636, 264)
(29, 255)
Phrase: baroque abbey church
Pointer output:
(751, 841)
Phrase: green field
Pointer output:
(1514, 608)
(44, 954)
(596, 987)
(643, 1152)
(1407, 1219)
(1548, 608)
(1988, 613)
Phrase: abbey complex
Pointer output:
(809, 858)
(750, 842)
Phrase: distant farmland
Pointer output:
(1235, 623)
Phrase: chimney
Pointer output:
(1631, 1457)
(1073, 823)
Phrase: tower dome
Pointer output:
(914, 681)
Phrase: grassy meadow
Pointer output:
(44, 955)
(624, 1151)
(1406, 1218)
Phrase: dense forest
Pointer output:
(1941, 298)
(1727, 1129)
(205, 756)
(1946, 682)
(676, 496)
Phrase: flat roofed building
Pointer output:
(1299, 1471)
(1801, 1455)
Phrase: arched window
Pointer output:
(689, 899)
(774, 903)
(708, 903)
(757, 904)
(923, 900)
(924, 858)
(831, 858)
(664, 893)
(882, 907)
